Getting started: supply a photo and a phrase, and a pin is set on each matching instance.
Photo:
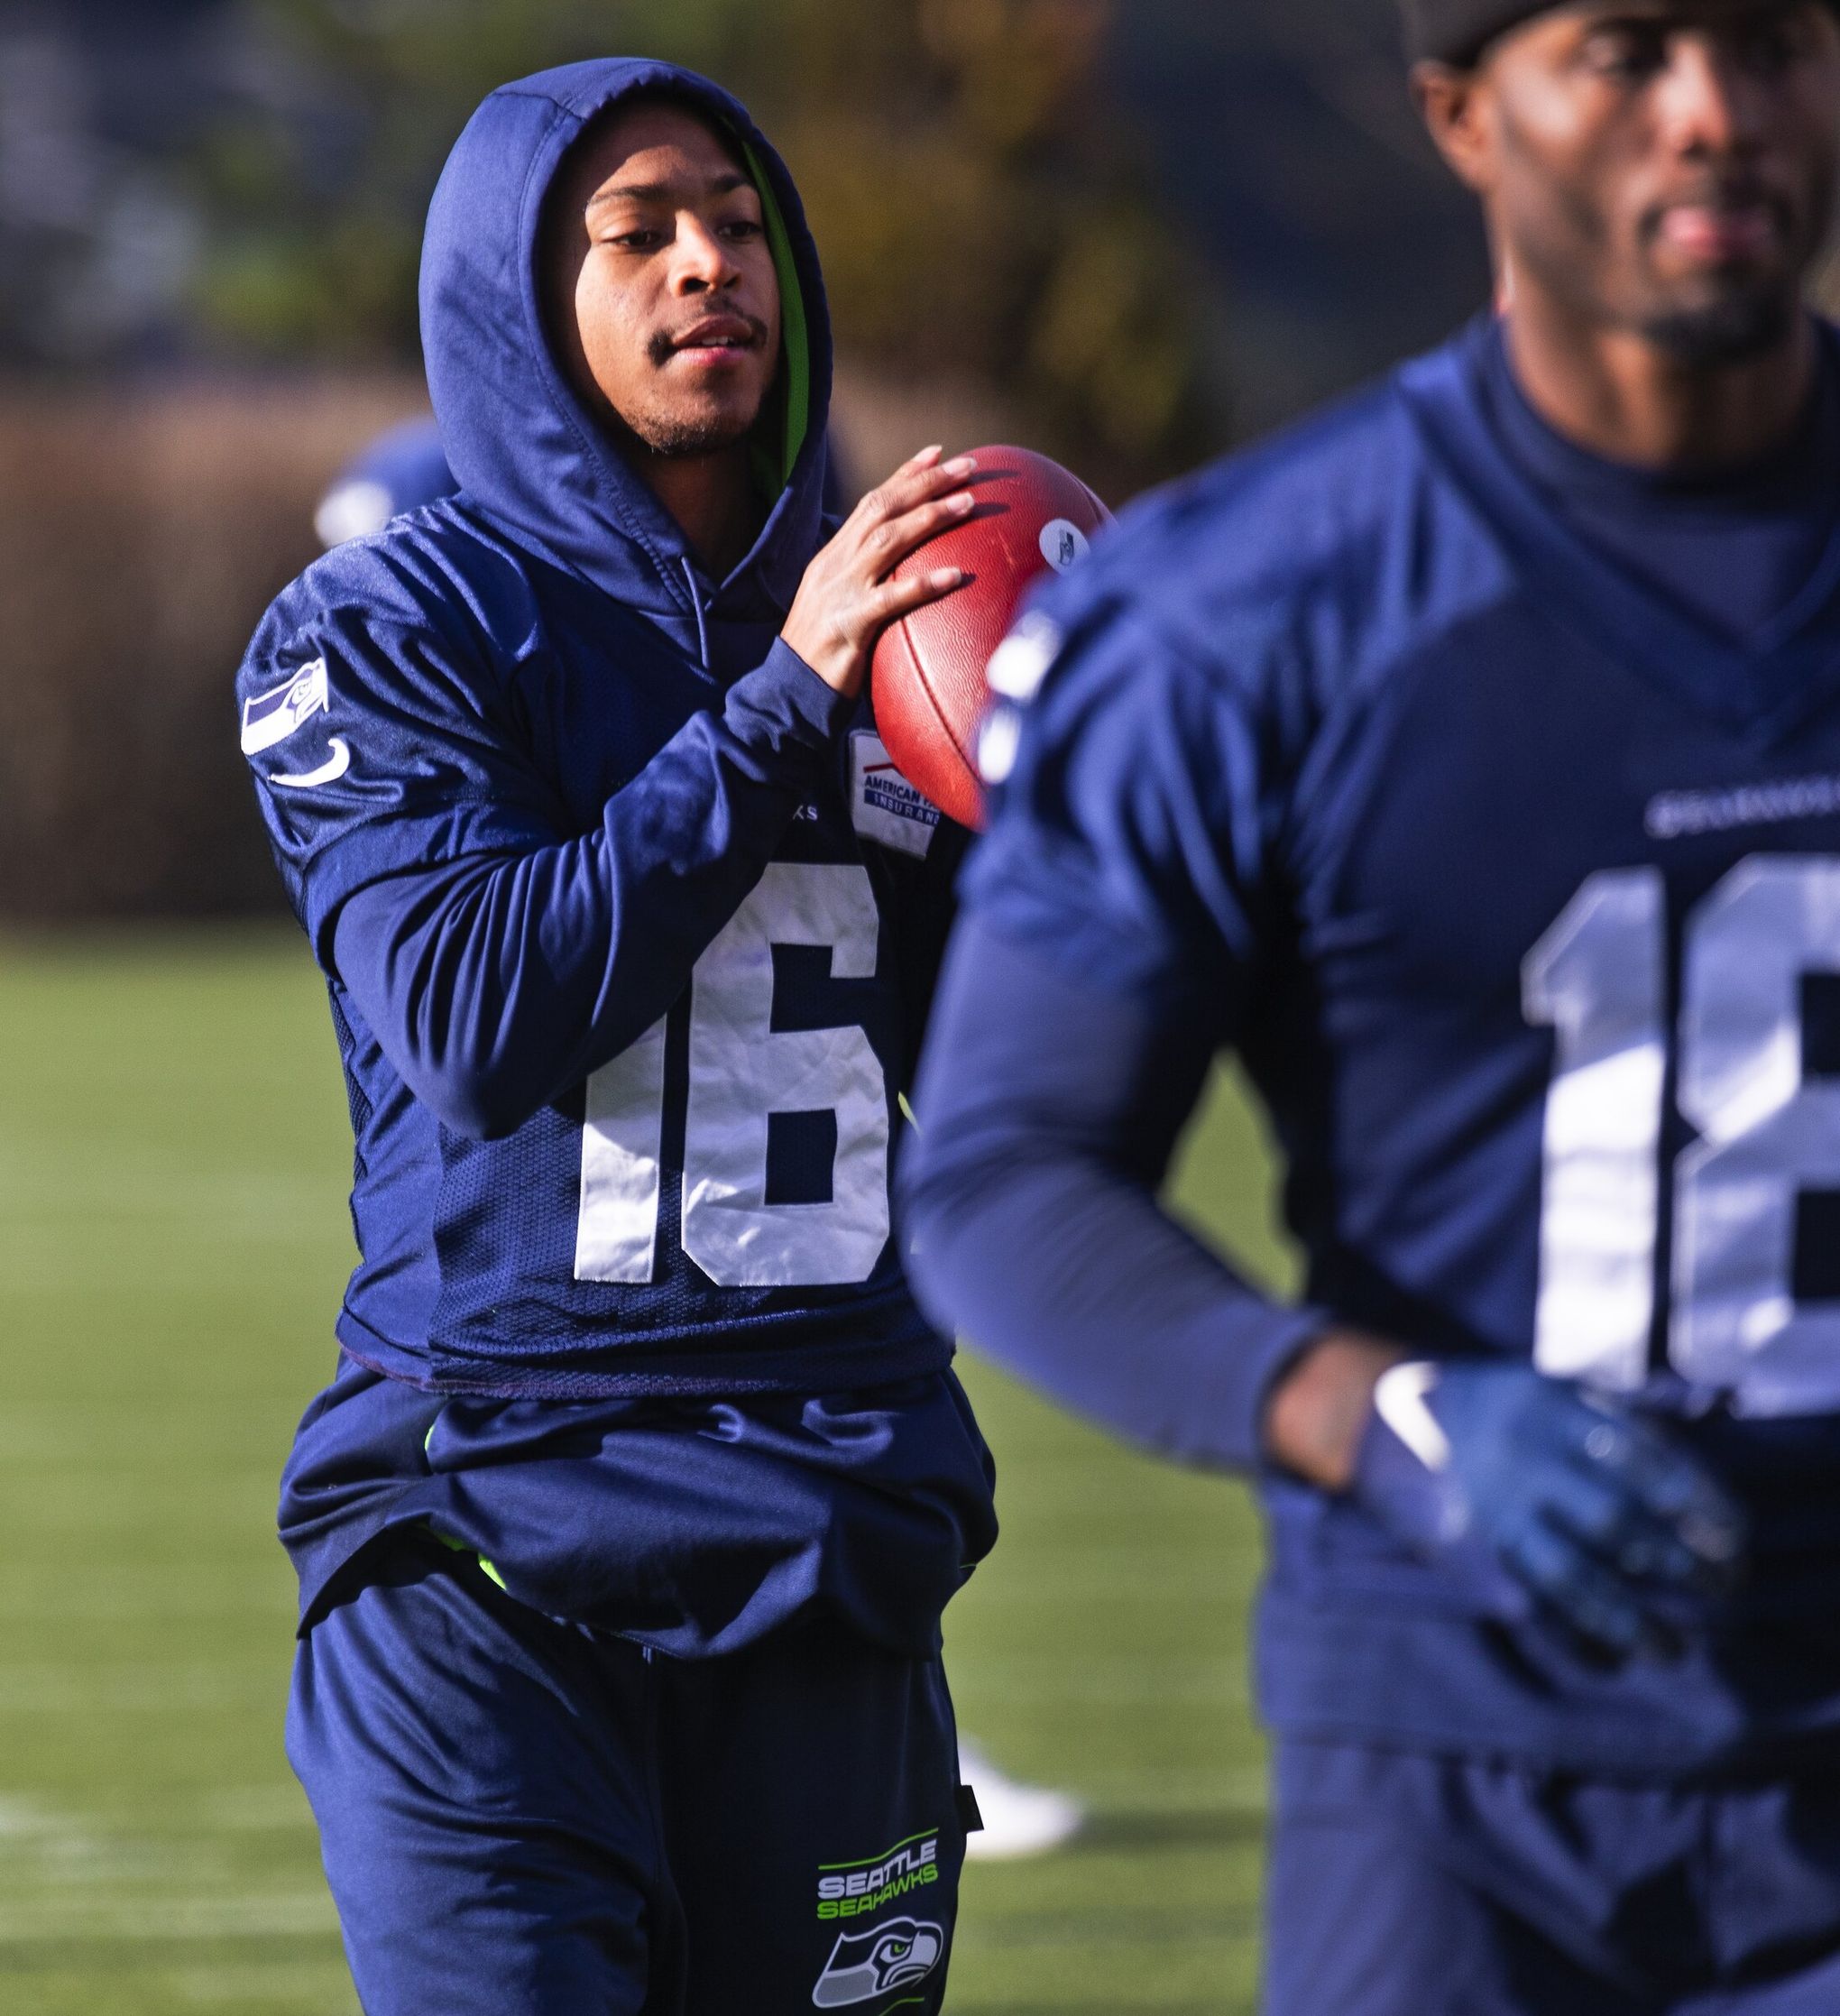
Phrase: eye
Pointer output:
(645, 238)
(743, 227)
(1625, 52)
(1771, 44)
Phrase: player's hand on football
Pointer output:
(1542, 1495)
(846, 599)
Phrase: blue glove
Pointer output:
(1539, 1495)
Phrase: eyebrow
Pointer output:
(663, 192)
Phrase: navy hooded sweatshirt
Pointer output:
(628, 933)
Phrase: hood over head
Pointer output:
(523, 447)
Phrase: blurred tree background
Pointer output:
(980, 212)
(1126, 232)
(1144, 225)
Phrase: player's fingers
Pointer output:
(1604, 1514)
(1708, 1519)
(1669, 1484)
(895, 599)
(896, 538)
(907, 488)
(885, 544)
(1588, 1598)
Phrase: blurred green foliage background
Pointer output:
(980, 211)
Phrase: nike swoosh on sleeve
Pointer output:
(335, 766)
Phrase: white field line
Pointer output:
(92, 1884)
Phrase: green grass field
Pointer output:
(173, 1159)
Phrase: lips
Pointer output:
(716, 334)
(1726, 227)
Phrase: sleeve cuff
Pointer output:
(1236, 1389)
(783, 704)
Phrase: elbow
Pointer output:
(476, 1102)
(464, 1052)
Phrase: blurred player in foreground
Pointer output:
(1470, 760)
(625, 1528)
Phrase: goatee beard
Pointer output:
(1727, 332)
(676, 441)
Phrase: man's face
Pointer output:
(1664, 167)
(658, 281)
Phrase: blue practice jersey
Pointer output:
(630, 930)
(1515, 883)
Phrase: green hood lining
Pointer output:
(794, 336)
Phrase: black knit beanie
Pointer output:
(1458, 31)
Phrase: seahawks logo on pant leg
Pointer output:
(864, 1965)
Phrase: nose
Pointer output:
(1710, 103)
(702, 264)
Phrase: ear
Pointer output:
(1457, 107)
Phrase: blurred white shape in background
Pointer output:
(352, 510)
(1019, 1819)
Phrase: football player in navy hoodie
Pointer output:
(625, 1527)
(1469, 760)
(407, 466)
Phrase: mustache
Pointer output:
(663, 344)
(1724, 192)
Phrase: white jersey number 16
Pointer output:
(1768, 1132)
(741, 1070)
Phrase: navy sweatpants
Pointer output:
(1406, 1885)
(522, 1818)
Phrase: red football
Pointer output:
(926, 682)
